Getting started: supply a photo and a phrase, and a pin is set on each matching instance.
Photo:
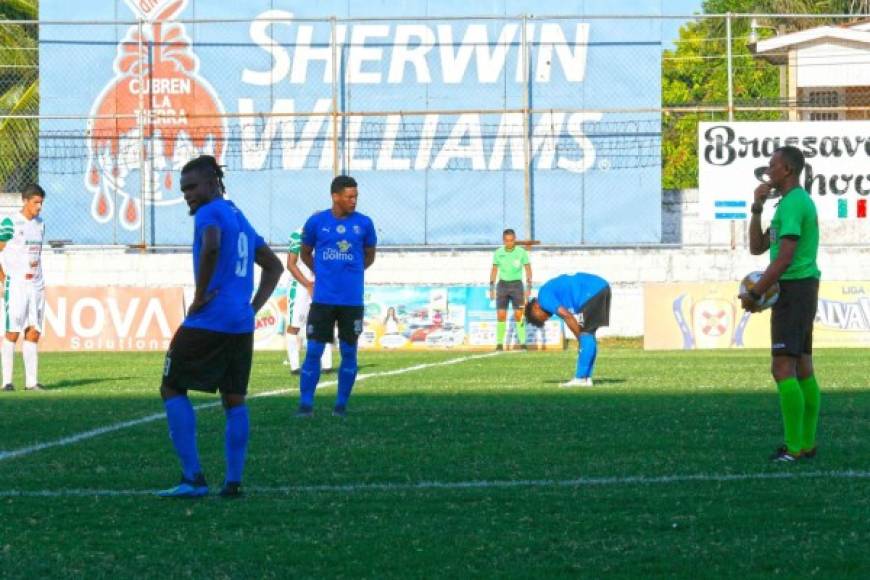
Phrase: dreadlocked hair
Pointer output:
(207, 164)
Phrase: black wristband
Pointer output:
(756, 208)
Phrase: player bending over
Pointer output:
(586, 295)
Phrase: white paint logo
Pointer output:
(423, 54)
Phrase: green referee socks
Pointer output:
(499, 331)
(791, 402)
(812, 402)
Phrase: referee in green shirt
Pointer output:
(508, 263)
(793, 241)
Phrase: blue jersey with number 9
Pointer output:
(232, 284)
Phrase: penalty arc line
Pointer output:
(84, 435)
(467, 485)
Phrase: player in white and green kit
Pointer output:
(21, 237)
(299, 294)
(508, 264)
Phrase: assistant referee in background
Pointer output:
(508, 263)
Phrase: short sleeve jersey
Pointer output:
(796, 216)
(510, 263)
(339, 249)
(571, 291)
(232, 283)
(22, 256)
(294, 246)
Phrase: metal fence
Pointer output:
(559, 127)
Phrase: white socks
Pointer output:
(7, 356)
(326, 359)
(293, 344)
(31, 363)
(28, 349)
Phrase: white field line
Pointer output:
(485, 485)
(84, 435)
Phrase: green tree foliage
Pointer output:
(695, 73)
(19, 94)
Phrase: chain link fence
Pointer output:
(563, 128)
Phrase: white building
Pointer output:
(827, 66)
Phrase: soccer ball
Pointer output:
(769, 298)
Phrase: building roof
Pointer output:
(776, 49)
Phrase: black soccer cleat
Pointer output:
(304, 412)
(782, 455)
(339, 411)
(499, 347)
(8, 387)
(231, 490)
(296, 372)
(811, 454)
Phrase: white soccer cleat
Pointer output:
(578, 382)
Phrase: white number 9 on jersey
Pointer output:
(242, 262)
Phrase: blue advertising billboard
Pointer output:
(426, 103)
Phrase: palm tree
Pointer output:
(19, 94)
(856, 7)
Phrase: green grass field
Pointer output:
(481, 468)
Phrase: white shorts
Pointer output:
(24, 307)
(298, 304)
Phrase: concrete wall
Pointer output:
(627, 269)
(701, 252)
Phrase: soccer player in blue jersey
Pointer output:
(212, 349)
(338, 244)
(583, 302)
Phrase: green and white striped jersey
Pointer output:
(22, 256)
(294, 246)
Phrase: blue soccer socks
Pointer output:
(310, 375)
(346, 372)
(236, 442)
(586, 357)
(182, 431)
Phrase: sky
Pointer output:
(671, 28)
